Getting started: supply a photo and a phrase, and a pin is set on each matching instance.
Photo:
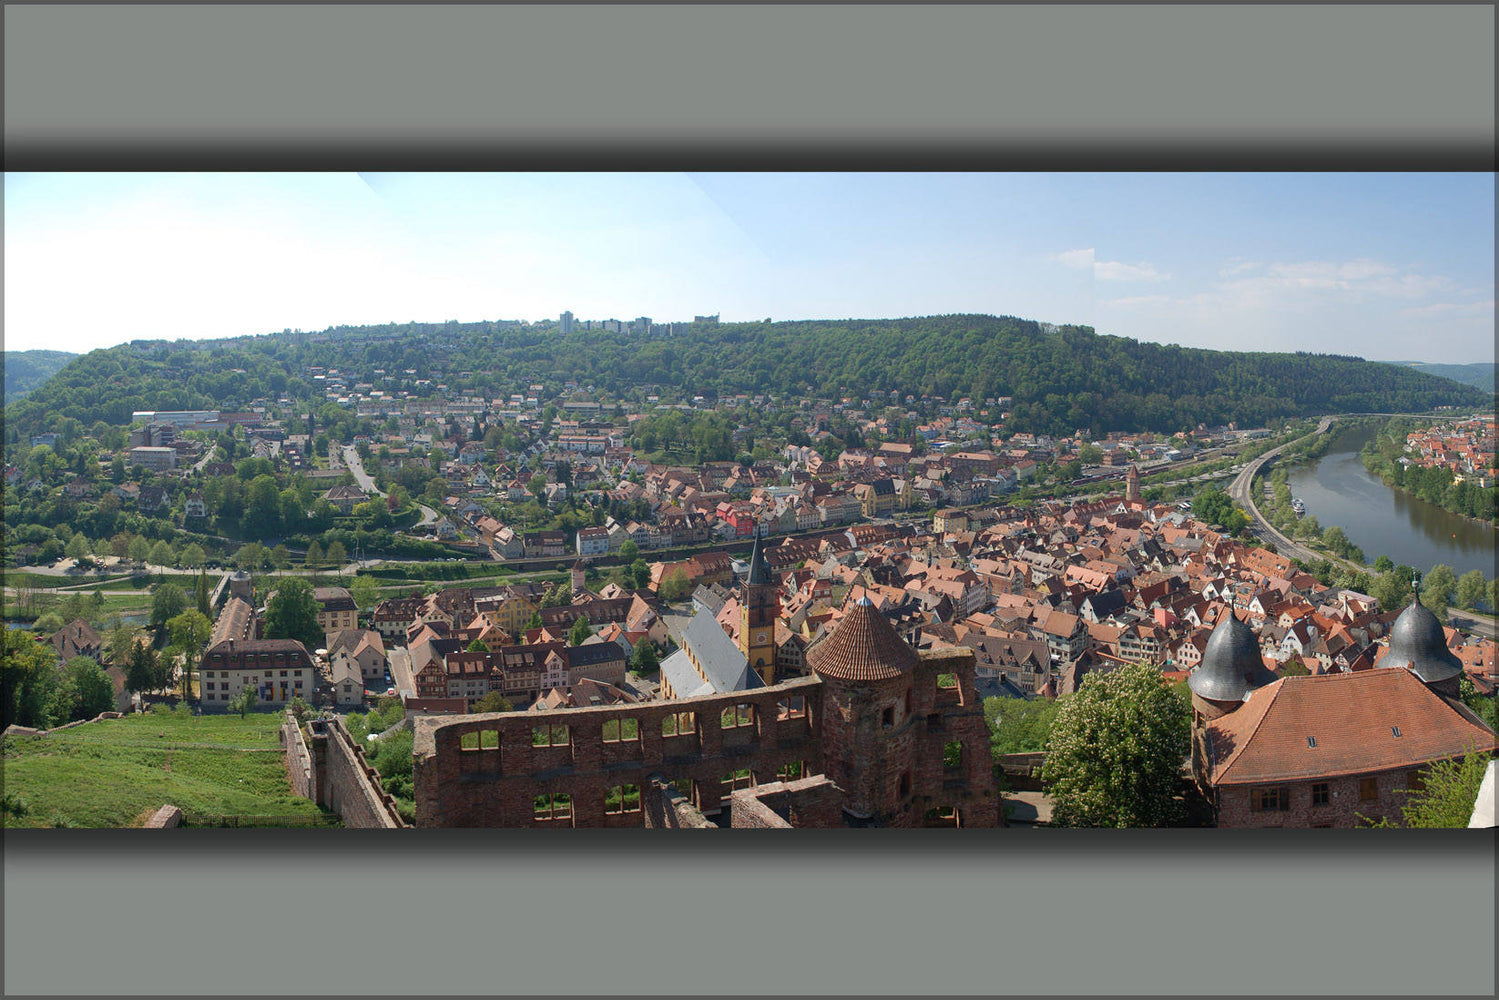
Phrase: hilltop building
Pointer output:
(1326, 750)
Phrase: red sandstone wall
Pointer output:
(498, 787)
(1343, 810)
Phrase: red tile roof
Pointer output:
(863, 646)
(1351, 716)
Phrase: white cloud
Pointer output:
(1113, 270)
(1079, 259)
(1107, 270)
(1453, 309)
(1138, 300)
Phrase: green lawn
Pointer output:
(220, 770)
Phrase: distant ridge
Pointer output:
(1051, 379)
(1480, 375)
(25, 370)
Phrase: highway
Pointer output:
(1242, 492)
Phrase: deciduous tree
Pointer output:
(1115, 752)
(167, 603)
(190, 631)
(292, 613)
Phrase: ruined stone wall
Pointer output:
(345, 781)
(497, 779)
(951, 715)
(665, 808)
(814, 803)
(298, 759)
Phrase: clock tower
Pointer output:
(759, 606)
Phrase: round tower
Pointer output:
(868, 739)
(1418, 644)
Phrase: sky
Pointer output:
(1391, 267)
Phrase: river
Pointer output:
(1382, 520)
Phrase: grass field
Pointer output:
(220, 770)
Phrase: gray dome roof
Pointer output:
(1418, 644)
(1231, 666)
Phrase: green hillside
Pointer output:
(1480, 375)
(1060, 378)
(219, 769)
(25, 370)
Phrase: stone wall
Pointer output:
(498, 780)
(813, 802)
(164, 818)
(665, 808)
(952, 716)
(345, 781)
(298, 759)
(1344, 807)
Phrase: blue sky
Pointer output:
(1384, 266)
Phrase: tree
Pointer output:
(478, 646)
(94, 689)
(161, 554)
(314, 557)
(27, 675)
(193, 555)
(629, 551)
(201, 593)
(365, 591)
(534, 621)
(252, 556)
(644, 660)
(1390, 589)
(244, 701)
(292, 613)
(1116, 749)
(337, 555)
(1471, 588)
(1293, 667)
(140, 549)
(168, 602)
(493, 702)
(675, 586)
(1383, 564)
(640, 573)
(280, 558)
(142, 670)
(77, 547)
(1437, 589)
(1447, 795)
(580, 631)
(1020, 725)
(190, 631)
(121, 644)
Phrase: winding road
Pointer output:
(366, 483)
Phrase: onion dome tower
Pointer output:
(867, 674)
(1231, 668)
(1418, 644)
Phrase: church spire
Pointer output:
(759, 573)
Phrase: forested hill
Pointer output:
(1481, 375)
(25, 370)
(1060, 378)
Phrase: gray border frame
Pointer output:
(1063, 87)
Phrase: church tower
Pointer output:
(759, 606)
